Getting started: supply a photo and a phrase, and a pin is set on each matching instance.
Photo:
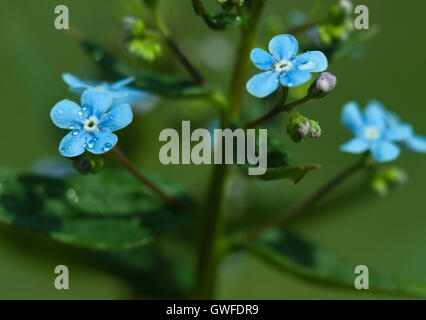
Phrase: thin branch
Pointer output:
(276, 110)
(313, 199)
(125, 162)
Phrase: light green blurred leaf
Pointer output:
(292, 253)
(103, 211)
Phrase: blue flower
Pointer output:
(372, 131)
(413, 142)
(91, 125)
(141, 100)
(283, 66)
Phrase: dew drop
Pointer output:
(107, 146)
(75, 132)
(60, 111)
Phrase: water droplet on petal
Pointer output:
(60, 111)
(75, 132)
(107, 146)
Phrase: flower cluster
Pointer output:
(105, 108)
(378, 131)
(283, 66)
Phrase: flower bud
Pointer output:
(314, 130)
(395, 176)
(323, 85)
(147, 49)
(299, 127)
(380, 186)
(86, 165)
(346, 6)
(134, 26)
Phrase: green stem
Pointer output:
(280, 107)
(164, 30)
(209, 251)
(313, 199)
(307, 25)
(243, 57)
(211, 248)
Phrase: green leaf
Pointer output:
(156, 82)
(281, 164)
(104, 211)
(292, 253)
(153, 274)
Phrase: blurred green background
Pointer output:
(382, 233)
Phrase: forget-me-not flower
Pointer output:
(141, 100)
(283, 66)
(413, 142)
(372, 132)
(92, 125)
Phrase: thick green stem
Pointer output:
(211, 243)
(243, 57)
(210, 250)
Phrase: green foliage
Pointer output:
(103, 211)
(156, 82)
(141, 267)
(292, 253)
(220, 21)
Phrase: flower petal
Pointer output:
(294, 78)
(384, 151)
(263, 84)
(73, 81)
(67, 114)
(101, 141)
(73, 144)
(121, 83)
(98, 101)
(118, 118)
(262, 59)
(311, 61)
(140, 100)
(375, 115)
(356, 145)
(399, 132)
(283, 46)
(352, 117)
(416, 143)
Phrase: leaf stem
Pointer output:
(313, 199)
(125, 163)
(166, 35)
(241, 68)
(280, 107)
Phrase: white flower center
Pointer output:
(283, 66)
(91, 124)
(371, 133)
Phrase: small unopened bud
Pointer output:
(314, 130)
(85, 165)
(147, 49)
(346, 6)
(395, 176)
(323, 85)
(380, 186)
(133, 25)
(299, 127)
